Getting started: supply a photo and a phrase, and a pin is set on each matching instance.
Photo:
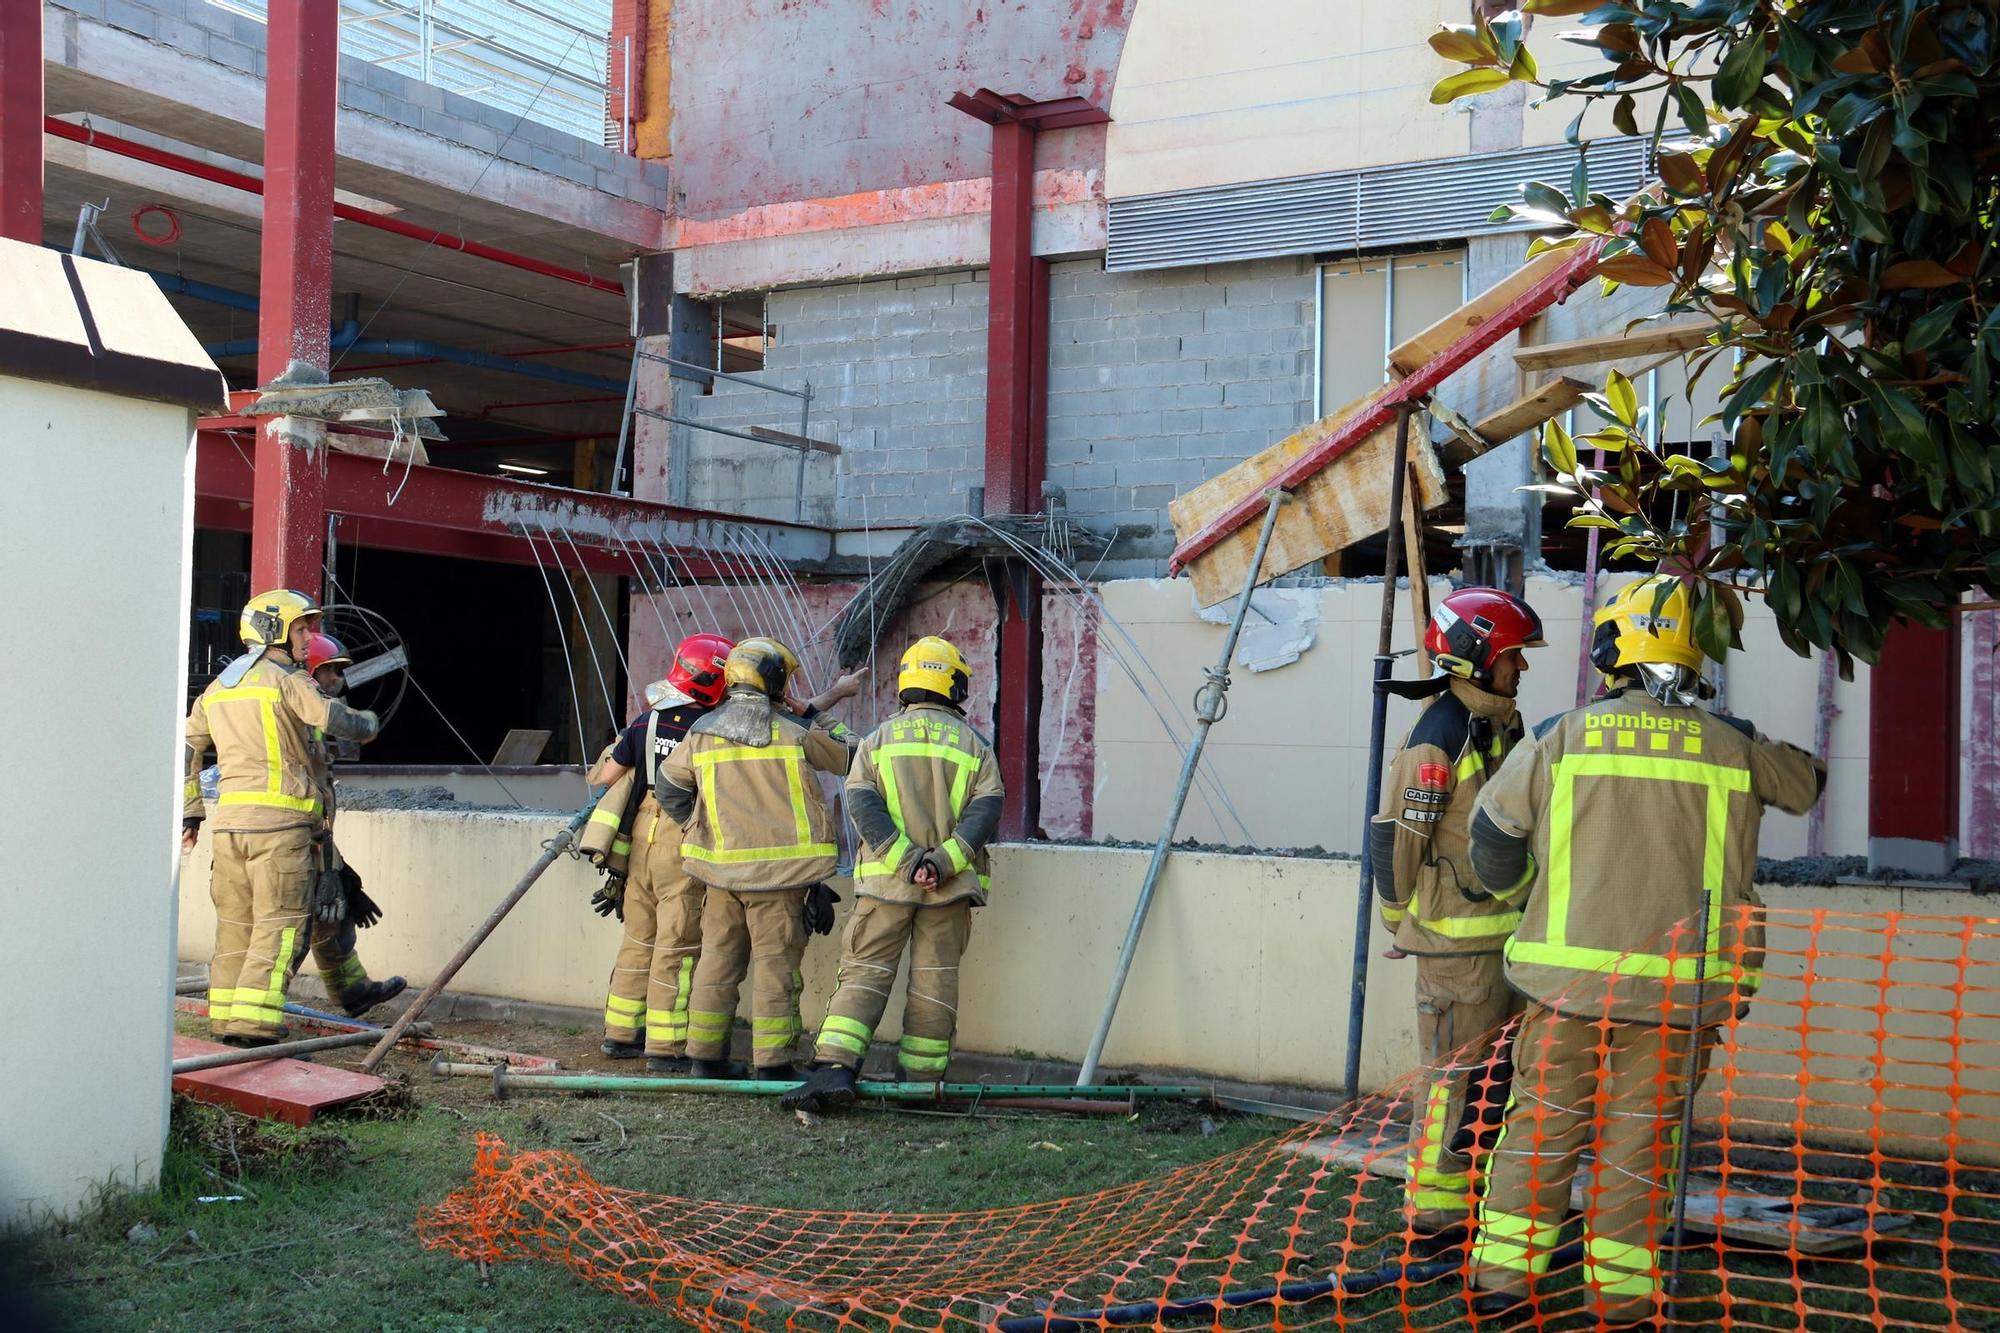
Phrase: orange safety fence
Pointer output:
(1843, 1172)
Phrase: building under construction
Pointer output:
(847, 326)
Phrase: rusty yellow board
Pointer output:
(1330, 511)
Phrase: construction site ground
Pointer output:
(260, 1226)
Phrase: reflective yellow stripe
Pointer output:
(927, 1045)
(955, 852)
(1509, 1240)
(265, 696)
(309, 804)
(770, 1033)
(1618, 1269)
(605, 817)
(741, 855)
(795, 781)
(1393, 915)
(1470, 927)
(621, 846)
(847, 1034)
(619, 1004)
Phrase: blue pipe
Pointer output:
(202, 291)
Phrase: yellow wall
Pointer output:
(1214, 94)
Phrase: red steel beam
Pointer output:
(462, 514)
(1553, 287)
(20, 113)
(238, 180)
(520, 352)
(1913, 739)
(295, 286)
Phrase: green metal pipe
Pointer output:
(507, 1080)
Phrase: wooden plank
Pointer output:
(791, 441)
(1335, 507)
(1739, 1215)
(1413, 565)
(1646, 340)
(1529, 411)
(521, 745)
(289, 1091)
(1405, 359)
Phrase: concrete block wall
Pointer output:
(230, 39)
(1157, 381)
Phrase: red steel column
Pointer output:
(1913, 738)
(288, 523)
(1016, 462)
(21, 121)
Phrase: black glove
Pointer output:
(817, 910)
(361, 909)
(610, 897)
(329, 897)
(939, 864)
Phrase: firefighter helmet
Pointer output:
(268, 617)
(699, 664)
(325, 650)
(762, 664)
(1473, 626)
(1647, 622)
(934, 666)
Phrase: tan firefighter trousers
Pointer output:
(1580, 1083)
(1463, 1001)
(652, 977)
(869, 955)
(333, 953)
(755, 932)
(261, 884)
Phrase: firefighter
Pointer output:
(639, 848)
(758, 834)
(339, 904)
(1625, 834)
(925, 797)
(258, 715)
(1476, 639)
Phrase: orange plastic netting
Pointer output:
(1844, 1172)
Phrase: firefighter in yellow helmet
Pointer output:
(758, 833)
(258, 716)
(1625, 833)
(925, 796)
(1477, 640)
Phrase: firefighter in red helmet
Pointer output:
(639, 849)
(1432, 902)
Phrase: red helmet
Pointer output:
(325, 650)
(697, 668)
(1472, 627)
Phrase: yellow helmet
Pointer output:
(933, 665)
(1639, 627)
(268, 617)
(762, 664)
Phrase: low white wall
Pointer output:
(537, 787)
(95, 528)
(1292, 753)
(1242, 973)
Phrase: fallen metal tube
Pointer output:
(420, 1035)
(1291, 1293)
(506, 1080)
(556, 847)
(283, 1050)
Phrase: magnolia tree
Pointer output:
(1835, 213)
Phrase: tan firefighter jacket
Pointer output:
(1626, 832)
(1419, 841)
(742, 787)
(627, 809)
(924, 780)
(261, 730)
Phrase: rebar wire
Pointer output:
(1070, 583)
(602, 614)
(347, 596)
(817, 644)
(583, 624)
(874, 624)
(667, 637)
(562, 636)
(787, 605)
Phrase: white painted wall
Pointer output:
(96, 521)
(1292, 753)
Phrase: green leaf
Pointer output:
(1711, 626)
(1558, 448)
(1592, 521)
(1693, 114)
(1463, 44)
(1468, 83)
(1622, 118)
(1546, 198)
(1623, 398)
(1742, 69)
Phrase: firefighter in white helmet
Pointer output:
(1477, 639)
(1625, 834)
(925, 796)
(758, 833)
(258, 716)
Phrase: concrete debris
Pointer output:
(1978, 875)
(1281, 625)
(427, 797)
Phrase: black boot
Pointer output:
(667, 1064)
(1500, 1309)
(720, 1067)
(365, 997)
(1431, 1244)
(826, 1087)
(784, 1073)
(622, 1050)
